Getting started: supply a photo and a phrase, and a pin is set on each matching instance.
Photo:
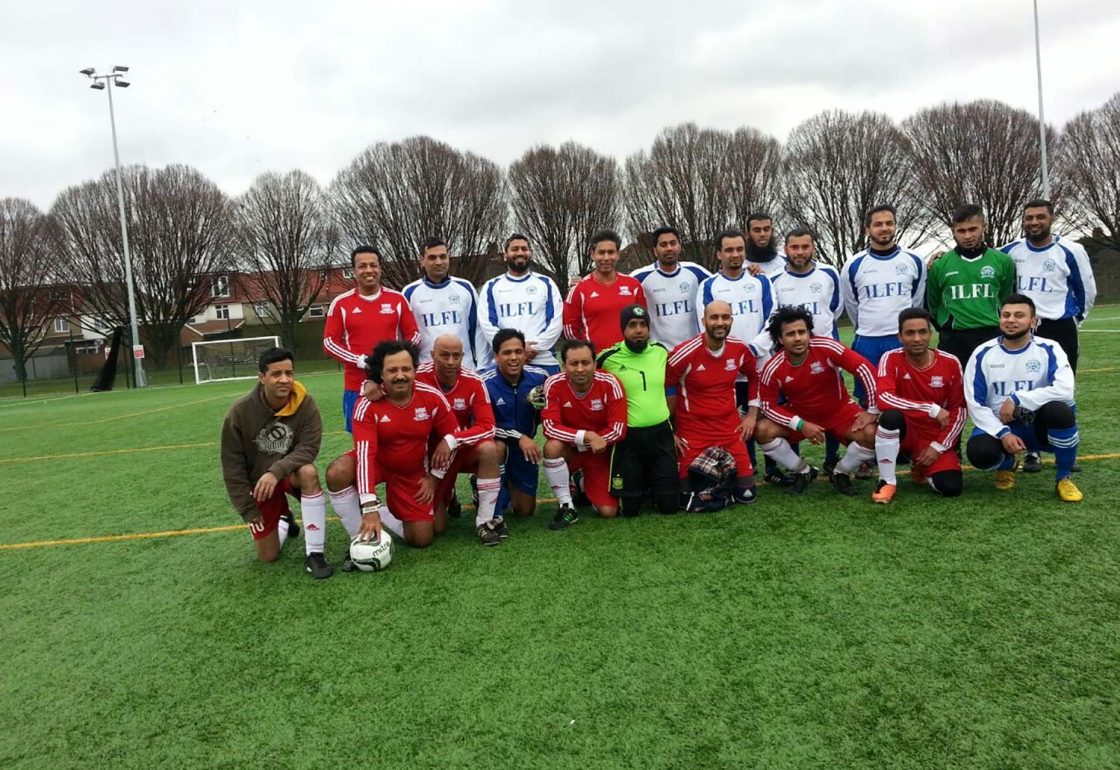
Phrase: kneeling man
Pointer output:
(584, 416)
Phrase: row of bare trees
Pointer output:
(286, 227)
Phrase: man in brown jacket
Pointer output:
(270, 439)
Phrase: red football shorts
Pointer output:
(696, 446)
(596, 476)
(464, 461)
(836, 424)
(399, 491)
(918, 438)
(273, 509)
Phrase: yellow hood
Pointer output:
(298, 394)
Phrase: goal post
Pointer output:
(220, 360)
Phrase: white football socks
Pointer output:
(886, 449)
(349, 509)
(391, 522)
(282, 531)
(782, 453)
(488, 490)
(556, 471)
(855, 455)
(314, 510)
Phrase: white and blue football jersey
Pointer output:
(1031, 377)
(531, 304)
(751, 299)
(817, 291)
(449, 307)
(877, 288)
(672, 301)
(1057, 278)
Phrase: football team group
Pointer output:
(657, 387)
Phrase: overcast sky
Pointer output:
(239, 88)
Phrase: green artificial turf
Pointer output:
(819, 631)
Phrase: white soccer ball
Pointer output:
(372, 555)
(535, 397)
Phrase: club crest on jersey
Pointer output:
(421, 414)
(1048, 265)
(1033, 366)
(936, 382)
(749, 288)
(901, 269)
(731, 364)
(386, 309)
(685, 286)
(816, 368)
(987, 271)
(624, 291)
(460, 404)
(816, 287)
(530, 289)
(455, 299)
(596, 405)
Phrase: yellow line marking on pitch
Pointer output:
(235, 527)
(114, 418)
(1094, 371)
(104, 452)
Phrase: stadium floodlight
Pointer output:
(221, 360)
(106, 83)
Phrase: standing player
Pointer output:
(1055, 273)
(671, 286)
(392, 436)
(523, 300)
(877, 284)
(706, 370)
(592, 306)
(762, 254)
(270, 439)
(1020, 391)
(966, 285)
(362, 317)
(751, 299)
(476, 450)
(443, 304)
(509, 382)
(803, 396)
(584, 417)
(920, 392)
(645, 461)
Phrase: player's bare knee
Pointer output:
(553, 449)
(766, 431)
(308, 478)
(340, 473)
(607, 512)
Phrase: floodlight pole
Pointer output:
(1041, 117)
(110, 80)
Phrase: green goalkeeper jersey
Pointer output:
(965, 293)
(643, 380)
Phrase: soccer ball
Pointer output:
(372, 556)
(536, 397)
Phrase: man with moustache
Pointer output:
(763, 257)
(966, 285)
(1055, 273)
(523, 300)
(362, 317)
(645, 461)
(592, 306)
(443, 304)
(1020, 391)
(706, 371)
(670, 286)
(803, 396)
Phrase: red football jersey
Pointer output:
(470, 403)
(706, 386)
(813, 389)
(397, 438)
(914, 392)
(567, 414)
(593, 310)
(356, 323)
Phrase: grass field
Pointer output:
(800, 632)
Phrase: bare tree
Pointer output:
(1088, 165)
(396, 195)
(701, 181)
(180, 233)
(560, 196)
(836, 166)
(287, 237)
(27, 268)
(983, 152)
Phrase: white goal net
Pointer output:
(229, 359)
